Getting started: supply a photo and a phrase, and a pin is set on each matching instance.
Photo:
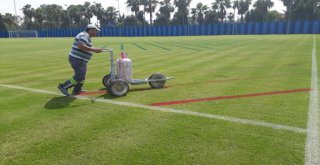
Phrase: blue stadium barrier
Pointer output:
(293, 27)
(242, 27)
(305, 27)
(4, 34)
(247, 28)
(256, 28)
(310, 26)
(315, 28)
(229, 28)
(209, 30)
(264, 28)
(272, 28)
(195, 30)
(282, 28)
(296, 25)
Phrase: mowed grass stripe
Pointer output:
(176, 45)
(195, 44)
(202, 60)
(155, 45)
(139, 46)
(215, 43)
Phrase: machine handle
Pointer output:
(107, 50)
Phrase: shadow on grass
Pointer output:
(59, 102)
(62, 102)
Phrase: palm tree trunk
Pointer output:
(150, 17)
(150, 8)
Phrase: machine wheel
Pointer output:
(106, 80)
(118, 88)
(157, 84)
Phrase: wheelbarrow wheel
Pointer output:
(157, 84)
(118, 88)
(106, 80)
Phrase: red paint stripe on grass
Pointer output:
(224, 80)
(229, 97)
(93, 93)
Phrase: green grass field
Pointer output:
(44, 128)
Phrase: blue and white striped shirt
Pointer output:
(78, 53)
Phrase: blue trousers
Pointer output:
(80, 69)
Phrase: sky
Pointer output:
(8, 6)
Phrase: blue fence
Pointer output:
(4, 34)
(294, 27)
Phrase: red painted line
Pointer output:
(224, 80)
(230, 97)
(93, 93)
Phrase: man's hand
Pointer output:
(82, 46)
(96, 50)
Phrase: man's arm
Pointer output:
(84, 47)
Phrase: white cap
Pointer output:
(93, 26)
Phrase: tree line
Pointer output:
(170, 12)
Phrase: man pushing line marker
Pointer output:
(81, 52)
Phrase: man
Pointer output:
(79, 56)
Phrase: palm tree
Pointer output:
(29, 13)
(305, 9)
(181, 16)
(211, 17)
(202, 9)
(134, 5)
(198, 13)
(235, 6)
(243, 7)
(39, 18)
(221, 6)
(56, 11)
(131, 21)
(111, 15)
(86, 11)
(76, 15)
(2, 24)
(8, 21)
(262, 7)
(230, 17)
(194, 13)
(98, 11)
(150, 7)
(164, 14)
(288, 4)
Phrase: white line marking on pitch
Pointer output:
(179, 111)
(312, 142)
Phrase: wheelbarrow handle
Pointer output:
(107, 50)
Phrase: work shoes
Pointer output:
(63, 90)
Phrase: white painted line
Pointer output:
(171, 110)
(312, 142)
